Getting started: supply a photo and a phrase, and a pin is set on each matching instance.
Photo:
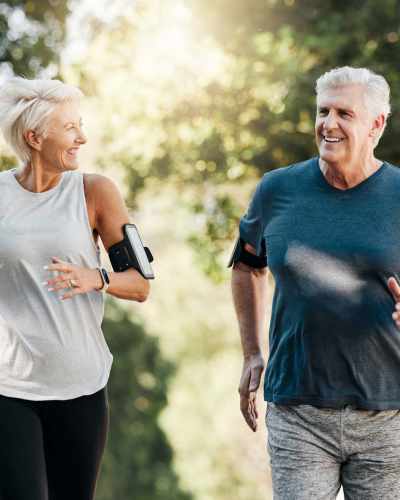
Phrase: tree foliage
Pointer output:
(280, 49)
(212, 135)
(138, 459)
(230, 98)
(31, 35)
(315, 37)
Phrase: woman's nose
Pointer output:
(82, 139)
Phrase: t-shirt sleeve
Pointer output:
(251, 227)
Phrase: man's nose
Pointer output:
(330, 121)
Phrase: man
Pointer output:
(329, 230)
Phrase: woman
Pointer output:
(54, 361)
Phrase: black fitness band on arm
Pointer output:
(240, 254)
(130, 252)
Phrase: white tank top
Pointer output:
(49, 348)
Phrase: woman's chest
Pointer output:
(33, 233)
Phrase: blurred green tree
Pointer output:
(214, 135)
(281, 48)
(31, 35)
(313, 37)
(138, 459)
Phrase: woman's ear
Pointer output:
(34, 139)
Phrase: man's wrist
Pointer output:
(253, 354)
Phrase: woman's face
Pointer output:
(64, 136)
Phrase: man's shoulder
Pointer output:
(390, 180)
(286, 175)
(393, 168)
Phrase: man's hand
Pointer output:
(395, 289)
(253, 367)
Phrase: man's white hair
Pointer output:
(26, 104)
(377, 90)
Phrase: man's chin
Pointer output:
(329, 156)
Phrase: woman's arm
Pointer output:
(110, 214)
(107, 214)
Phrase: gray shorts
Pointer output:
(313, 451)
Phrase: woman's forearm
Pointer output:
(129, 285)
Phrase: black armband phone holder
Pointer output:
(130, 252)
(240, 254)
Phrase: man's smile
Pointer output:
(332, 139)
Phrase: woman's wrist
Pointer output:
(98, 279)
(105, 279)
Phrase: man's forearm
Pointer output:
(249, 288)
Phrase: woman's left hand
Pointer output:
(77, 279)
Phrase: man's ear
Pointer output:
(377, 125)
(34, 139)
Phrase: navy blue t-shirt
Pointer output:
(332, 339)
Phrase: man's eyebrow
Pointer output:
(341, 110)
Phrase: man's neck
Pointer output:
(342, 176)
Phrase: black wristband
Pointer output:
(240, 254)
(104, 278)
(104, 273)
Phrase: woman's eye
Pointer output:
(72, 127)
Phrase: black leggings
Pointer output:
(52, 450)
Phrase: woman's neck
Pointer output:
(34, 177)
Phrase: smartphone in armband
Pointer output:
(130, 252)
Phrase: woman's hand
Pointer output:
(77, 279)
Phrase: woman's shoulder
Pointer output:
(102, 193)
(95, 183)
(5, 174)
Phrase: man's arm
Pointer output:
(249, 298)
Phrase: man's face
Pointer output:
(344, 128)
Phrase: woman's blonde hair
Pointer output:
(26, 104)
